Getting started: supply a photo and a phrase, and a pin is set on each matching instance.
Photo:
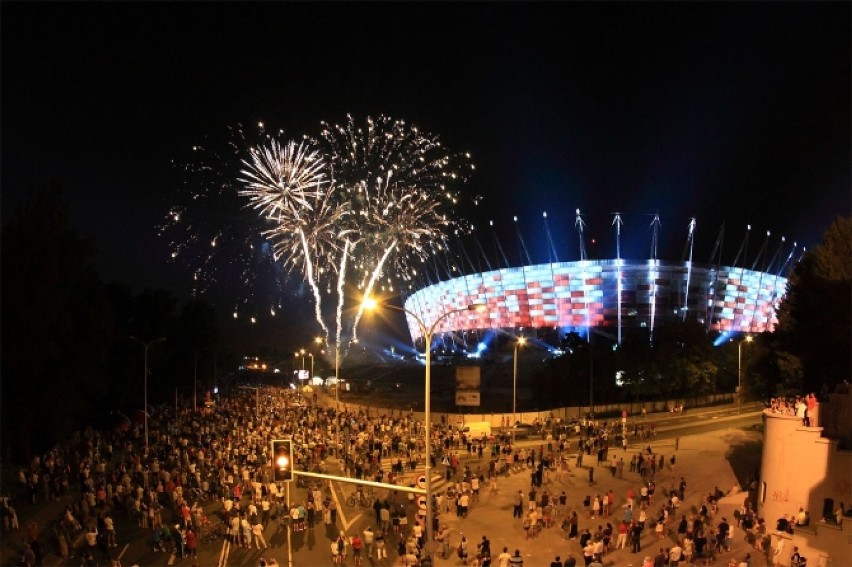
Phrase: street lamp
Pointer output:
(319, 341)
(370, 304)
(145, 387)
(747, 339)
(519, 343)
(312, 365)
(302, 352)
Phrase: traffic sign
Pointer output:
(421, 502)
(421, 481)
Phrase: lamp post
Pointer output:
(256, 397)
(747, 339)
(319, 340)
(427, 402)
(312, 366)
(519, 343)
(195, 382)
(302, 353)
(145, 384)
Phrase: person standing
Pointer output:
(504, 558)
(381, 552)
(369, 541)
(622, 535)
(778, 552)
(356, 544)
(109, 529)
(516, 560)
(636, 532)
(811, 408)
(573, 527)
(92, 538)
(246, 529)
(518, 510)
(265, 507)
(444, 539)
(191, 543)
(675, 555)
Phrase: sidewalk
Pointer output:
(44, 514)
(700, 460)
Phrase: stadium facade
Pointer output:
(606, 294)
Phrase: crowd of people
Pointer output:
(221, 455)
(803, 407)
(161, 483)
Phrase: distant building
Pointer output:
(605, 294)
(809, 468)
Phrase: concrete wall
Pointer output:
(499, 419)
(800, 469)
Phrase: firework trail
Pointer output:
(400, 186)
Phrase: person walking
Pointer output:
(257, 531)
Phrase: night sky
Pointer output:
(734, 112)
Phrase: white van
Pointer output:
(477, 429)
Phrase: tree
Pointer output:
(195, 337)
(815, 317)
(56, 326)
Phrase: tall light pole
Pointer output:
(145, 386)
(519, 343)
(747, 339)
(256, 397)
(319, 341)
(337, 440)
(312, 365)
(195, 382)
(427, 403)
(302, 353)
(591, 377)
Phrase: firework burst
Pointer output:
(355, 208)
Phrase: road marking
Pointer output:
(120, 555)
(346, 524)
(340, 510)
(172, 559)
(223, 555)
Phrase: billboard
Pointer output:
(467, 385)
(302, 374)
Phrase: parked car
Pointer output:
(525, 430)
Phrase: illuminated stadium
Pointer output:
(609, 295)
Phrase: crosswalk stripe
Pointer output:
(223, 555)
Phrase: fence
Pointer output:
(601, 411)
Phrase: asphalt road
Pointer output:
(311, 548)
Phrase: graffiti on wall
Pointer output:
(781, 496)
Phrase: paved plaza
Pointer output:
(700, 459)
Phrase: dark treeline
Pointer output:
(73, 346)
